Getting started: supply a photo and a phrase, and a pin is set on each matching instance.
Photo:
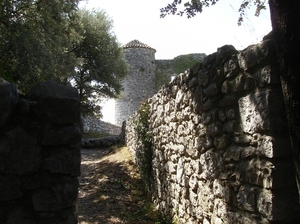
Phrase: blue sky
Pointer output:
(174, 35)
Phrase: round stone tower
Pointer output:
(139, 84)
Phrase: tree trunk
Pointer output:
(286, 30)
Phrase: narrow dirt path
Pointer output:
(111, 190)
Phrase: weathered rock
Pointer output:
(94, 124)
(256, 54)
(20, 215)
(39, 154)
(259, 112)
(247, 198)
(9, 99)
(19, 153)
(209, 161)
(100, 142)
(57, 196)
(67, 135)
(266, 76)
(255, 171)
(62, 160)
(56, 103)
(10, 188)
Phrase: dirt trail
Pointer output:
(111, 190)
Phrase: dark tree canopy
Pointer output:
(35, 39)
(44, 40)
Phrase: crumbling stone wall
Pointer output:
(221, 150)
(39, 154)
(94, 124)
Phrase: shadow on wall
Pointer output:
(39, 154)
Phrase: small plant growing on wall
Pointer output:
(144, 152)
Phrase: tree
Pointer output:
(101, 64)
(53, 40)
(35, 39)
(286, 34)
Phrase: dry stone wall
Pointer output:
(94, 124)
(221, 150)
(39, 154)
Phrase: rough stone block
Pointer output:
(221, 190)
(246, 198)
(256, 54)
(230, 127)
(210, 161)
(19, 215)
(277, 206)
(270, 147)
(220, 212)
(19, 153)
(193, 182)
(231, 67)
(233, 153)
(55, 197)
(67, 135)
(266, 76)
(261, 112)
(9, 99)
(256, 171)
(205, 197)
(221, 142)
(56, 103)
(63, 161)
(10, 188)
(214, 129)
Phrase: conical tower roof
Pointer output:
(137, 44)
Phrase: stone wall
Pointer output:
(39, 154)
(94, 124)
(221, 150)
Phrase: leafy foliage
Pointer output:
(101, 64)
(247, 4)
(35, 40)
(144, 154)
(165, 69)
(192, 7)
(54, 40)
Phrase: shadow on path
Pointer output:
(110, 189)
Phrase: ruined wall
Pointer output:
(221, 150)
(39, 154)
(94, 124)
